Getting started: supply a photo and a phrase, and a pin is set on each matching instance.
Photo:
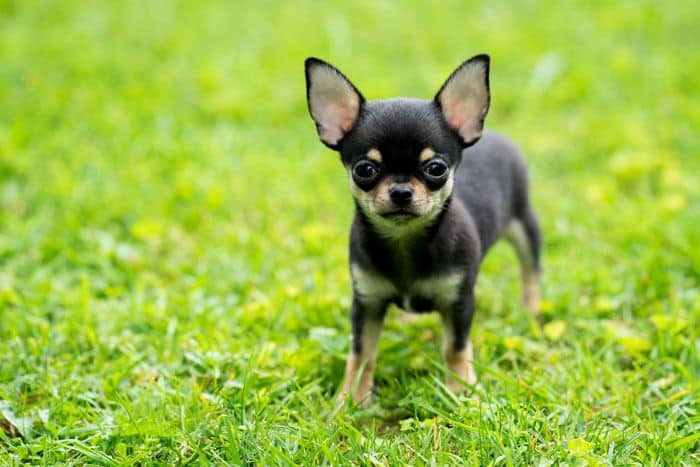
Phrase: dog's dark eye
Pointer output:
(435, 169)
(365, 172)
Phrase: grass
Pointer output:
(173, 277)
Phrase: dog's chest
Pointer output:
(421, 294)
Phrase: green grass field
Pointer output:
(173, 268)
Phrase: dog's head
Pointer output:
(401, 154)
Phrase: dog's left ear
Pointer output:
(464, 98)
(334, 103)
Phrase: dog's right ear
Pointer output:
(334, 103)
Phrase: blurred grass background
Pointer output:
(173, 277)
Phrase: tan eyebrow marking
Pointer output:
(426, 154)
(374, 155)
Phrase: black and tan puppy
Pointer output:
(432, 194)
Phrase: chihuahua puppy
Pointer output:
(432, 192)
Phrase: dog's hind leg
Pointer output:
(524, 233)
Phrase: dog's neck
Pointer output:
(402, 254)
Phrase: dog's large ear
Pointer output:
(334, 103)
(464, 98)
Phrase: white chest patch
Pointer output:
(442, 290)
(373, 288)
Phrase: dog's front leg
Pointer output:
(359, 371)
(456, 346)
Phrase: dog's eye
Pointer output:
(365, 171)
(436, 168)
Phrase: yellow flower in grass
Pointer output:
(554, 330)
(579, 447)
(147, 228)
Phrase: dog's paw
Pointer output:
(458, 388)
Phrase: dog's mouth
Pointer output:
(400, 215)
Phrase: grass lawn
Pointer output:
(173, 236)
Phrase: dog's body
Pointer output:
(432, 196)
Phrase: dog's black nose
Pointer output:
(401, 195)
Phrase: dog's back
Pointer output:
(492, 183)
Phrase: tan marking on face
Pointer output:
(374, 155)
(420, 191)
(426, 154)
(425, 205)
(376, 200)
